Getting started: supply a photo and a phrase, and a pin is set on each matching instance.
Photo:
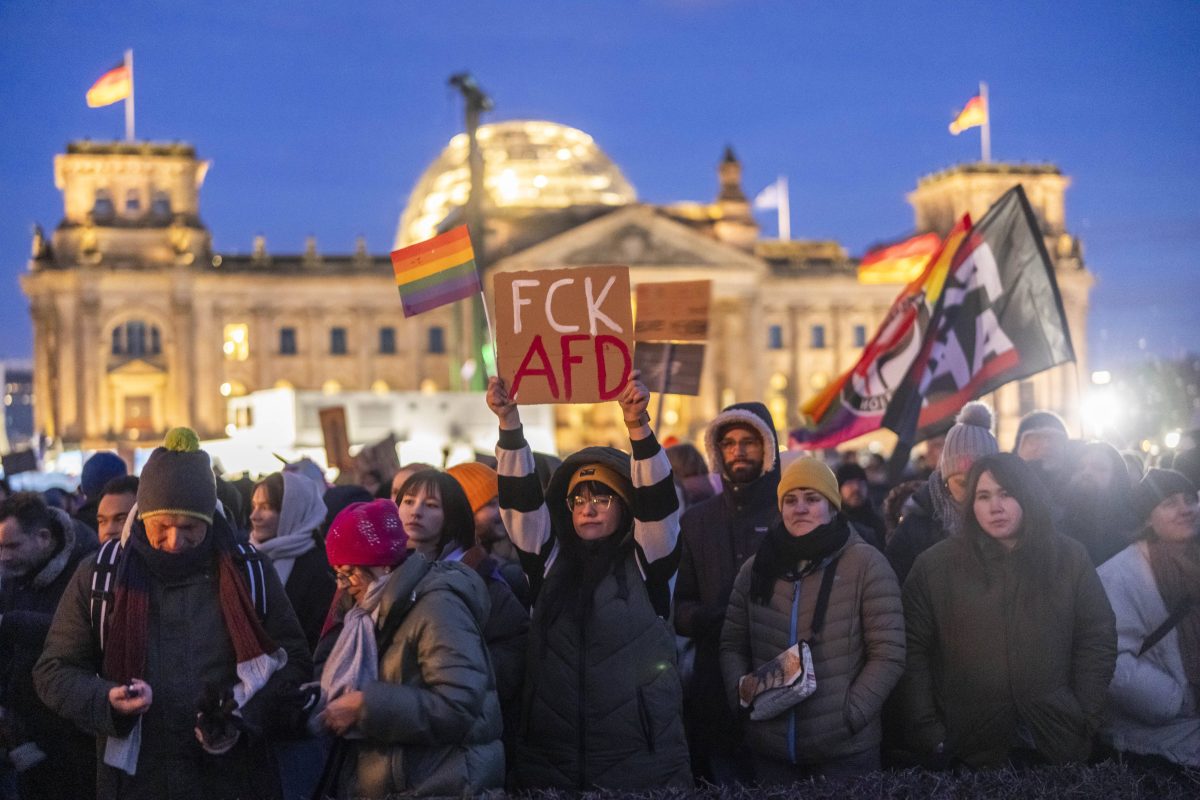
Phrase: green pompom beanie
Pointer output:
(178, 479)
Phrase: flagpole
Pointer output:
(985, 130)
(785, 212)
(491, 336)
(129, 100)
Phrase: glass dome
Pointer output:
(527, 164)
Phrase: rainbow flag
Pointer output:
(435, 272)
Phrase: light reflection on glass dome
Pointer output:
(527, 164)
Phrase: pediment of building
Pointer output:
(137, 366)
(635, 236)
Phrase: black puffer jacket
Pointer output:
(602, 698)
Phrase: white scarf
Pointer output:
(354, 660)
(302, 512)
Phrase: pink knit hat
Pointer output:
(367, 535)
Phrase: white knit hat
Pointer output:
(969, 440)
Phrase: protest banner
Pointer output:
(670, 368)
(564, 335)
(672, 312)
(336, 435)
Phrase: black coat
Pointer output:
(919, 530)
(718, 536)
(310, 588)
(28, 608)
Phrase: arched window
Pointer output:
(136, 339)
(133, 202)
(160, 206)
(102, 208)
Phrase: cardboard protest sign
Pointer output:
(675, 311)
(336, 435)
(670, 368)
(564, 335)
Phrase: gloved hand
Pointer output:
(218, 727)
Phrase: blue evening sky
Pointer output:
(319, 117)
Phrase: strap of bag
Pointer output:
(105, 577)
(818, 621)
(1170, 622)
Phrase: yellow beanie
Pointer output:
(810, 473)
(478, 481)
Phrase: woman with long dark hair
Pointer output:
(1011, 641)
(439, 523)
(814, 585)
(1154, 588)
(602, 704)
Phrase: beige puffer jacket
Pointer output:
(858, 658)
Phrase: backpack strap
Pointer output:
(256, 579)
(818, 621)
(1170, 622)
(103, 582)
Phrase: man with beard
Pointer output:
(718, 535)
(1097, 505)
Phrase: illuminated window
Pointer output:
(287, 341)
(331, 387)
(860, 335)
(237, 342)
(233, 389)
(380, 387)
(387, 341)
(429, 386)
(775, 337)
(437, 340)
(818, 337)
(337, 341)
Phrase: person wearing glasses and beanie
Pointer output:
(814, 580)
(602, 698)
(408, 687)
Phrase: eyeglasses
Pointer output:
(601, 502)
(345, 578)
(739, 444)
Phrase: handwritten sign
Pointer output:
(670, 368)
(676, 311)
(564, 335)
(337, 438)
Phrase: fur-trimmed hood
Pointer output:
(50, 571)
(752, 415)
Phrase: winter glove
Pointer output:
(218, 727)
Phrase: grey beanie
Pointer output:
(969, 440)
(178, 479)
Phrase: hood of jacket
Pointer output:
(756, 416)
(418, 576)
(72, 549)
(556, 490)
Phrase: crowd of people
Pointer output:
(620, 619)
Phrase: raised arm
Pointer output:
(522, 505)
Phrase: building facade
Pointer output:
(139, 325)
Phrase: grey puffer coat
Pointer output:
(432, 721)
(857, 658)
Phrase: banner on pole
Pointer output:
(564, 335)
(670, 368)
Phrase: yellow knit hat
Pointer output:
(605, 475)
(478, 481)
(810, 473)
